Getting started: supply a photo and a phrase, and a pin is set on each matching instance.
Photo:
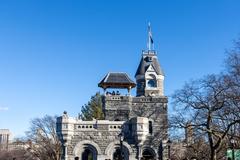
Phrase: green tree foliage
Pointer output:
(93, 109)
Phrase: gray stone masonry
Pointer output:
(134, 128)
(116, 107)
(102, 136)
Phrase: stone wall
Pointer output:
(102, 136)
(154, 108)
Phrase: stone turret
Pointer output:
(116, 107)
(149, 75)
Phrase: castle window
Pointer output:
(149, 59)
(150, 127)
(65, 126)
(151, 83)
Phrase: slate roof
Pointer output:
(116, 80)
(145, 63)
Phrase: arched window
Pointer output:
(76, 158)
(152, 83)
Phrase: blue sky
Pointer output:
(54, 53)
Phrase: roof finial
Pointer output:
(150, 38)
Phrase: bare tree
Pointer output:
(211, 106)
(16, 154)
(42, 134)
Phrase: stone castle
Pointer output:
(134, 127)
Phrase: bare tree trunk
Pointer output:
(213, 154)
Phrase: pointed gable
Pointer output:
(150, 68)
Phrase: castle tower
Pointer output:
(116, 107)
(149, 75)
(134, 127)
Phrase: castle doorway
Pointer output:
(147, 155)
(117, 154)
(86, 150)
(87, 154)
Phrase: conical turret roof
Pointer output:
(147, 60)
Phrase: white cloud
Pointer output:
(4, 108)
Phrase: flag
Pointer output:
(151, 39)
(150, 34)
